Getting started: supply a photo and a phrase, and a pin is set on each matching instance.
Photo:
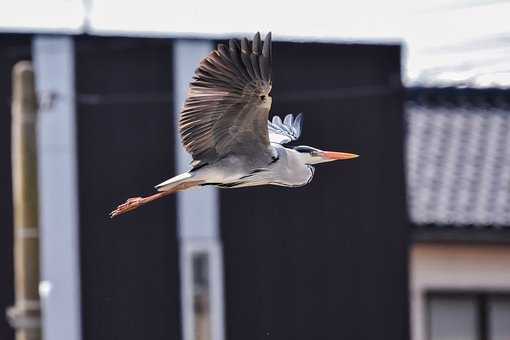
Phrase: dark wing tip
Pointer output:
(266, 50)
(245, 46)
(256, 44)
(233, 45)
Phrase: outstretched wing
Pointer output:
(228, 102)
(286, 131)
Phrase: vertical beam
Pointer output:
(197, 213)
(482, 307)
(26, 315)
(60, 287)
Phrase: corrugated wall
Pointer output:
(329, 260)
(326, 261)
(125, 144)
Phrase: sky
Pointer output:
(449, 42)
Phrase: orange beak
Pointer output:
(331, 155)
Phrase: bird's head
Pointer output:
(312, 155)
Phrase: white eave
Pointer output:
(446, 42)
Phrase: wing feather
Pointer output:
(285, 131)
(228, 102)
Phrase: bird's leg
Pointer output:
(136, 202)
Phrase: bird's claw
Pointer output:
(130, 204)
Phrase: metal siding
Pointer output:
(328, 260)
(125, 140)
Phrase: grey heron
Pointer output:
(224, 126)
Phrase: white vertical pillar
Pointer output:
(197, 213)
(60, 267)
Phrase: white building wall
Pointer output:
(197, 216)
(58, 189)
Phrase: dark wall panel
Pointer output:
(329, 260)
(13, 48)
(129, 265)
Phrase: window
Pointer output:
(201, 296)
(499, 317)
(468, 316)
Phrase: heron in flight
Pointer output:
(224, 126)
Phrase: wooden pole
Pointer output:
(25, 316)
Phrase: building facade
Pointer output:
(458, 170)
(251, 263)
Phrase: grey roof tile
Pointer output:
(458, 165)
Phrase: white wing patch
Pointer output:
(286, 131)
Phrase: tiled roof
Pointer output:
(458, 160)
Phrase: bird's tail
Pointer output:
(174, 181)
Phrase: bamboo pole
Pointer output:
(25, 316)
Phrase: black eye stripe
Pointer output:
(305, 149)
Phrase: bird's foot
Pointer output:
(129, 205)
(136, 202)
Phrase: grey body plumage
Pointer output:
(285, 169)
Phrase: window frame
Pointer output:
(481, 298)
